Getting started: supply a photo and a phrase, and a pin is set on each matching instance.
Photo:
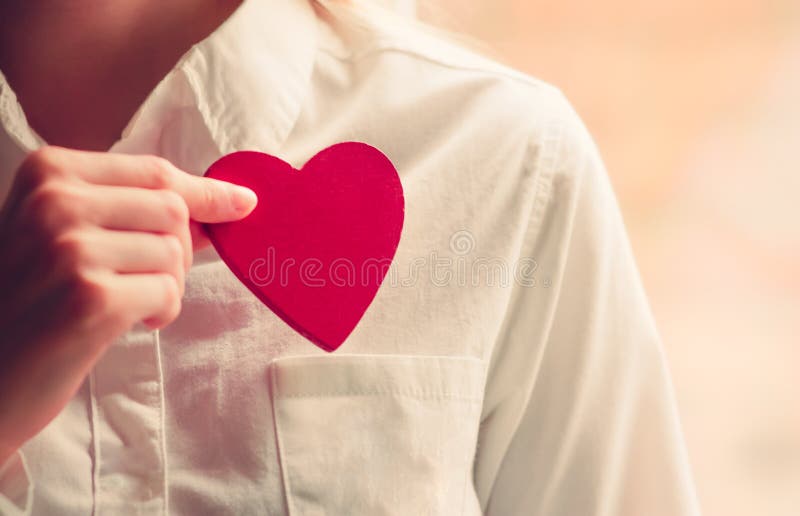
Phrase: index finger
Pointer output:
(212, 200)
(208, 200)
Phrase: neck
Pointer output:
(105, 56)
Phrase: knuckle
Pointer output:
(54, 205)
(158, 171)
(89, 298)
(174, 249)
(70, 251)
(46, 196)
(172, 299)
(44, 162)
(175, 208)
(212, 197)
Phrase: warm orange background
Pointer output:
(696, 108)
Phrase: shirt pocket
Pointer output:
(377, 434)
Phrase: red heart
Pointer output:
(321, 239)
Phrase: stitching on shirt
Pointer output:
(162, 421)
(280, 452)
(389, 46)
(423, 395)
(545, 167)
(95, 442)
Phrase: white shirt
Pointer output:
(508, 365)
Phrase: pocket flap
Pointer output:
(364, 375)
(377, 434)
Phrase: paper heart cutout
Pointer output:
(319, 243)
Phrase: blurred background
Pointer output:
(695, 106)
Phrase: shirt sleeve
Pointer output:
(579, 416)
(16, 490)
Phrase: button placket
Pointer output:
(127, 418)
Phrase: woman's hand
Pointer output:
(90, 244)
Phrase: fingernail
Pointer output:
(244, 199)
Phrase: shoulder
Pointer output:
(409, 70)
(362, 34)
(490, 142)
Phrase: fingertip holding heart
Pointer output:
(321, 239)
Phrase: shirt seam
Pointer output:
(162, 438)
(386, 46)
(281, 455)
(542, 170)
(434, 396)
(546, 164)
(95, 443)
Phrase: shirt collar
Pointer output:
(252, 74)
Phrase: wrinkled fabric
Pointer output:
(509, 364)
(16, 489)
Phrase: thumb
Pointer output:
(212, 200)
